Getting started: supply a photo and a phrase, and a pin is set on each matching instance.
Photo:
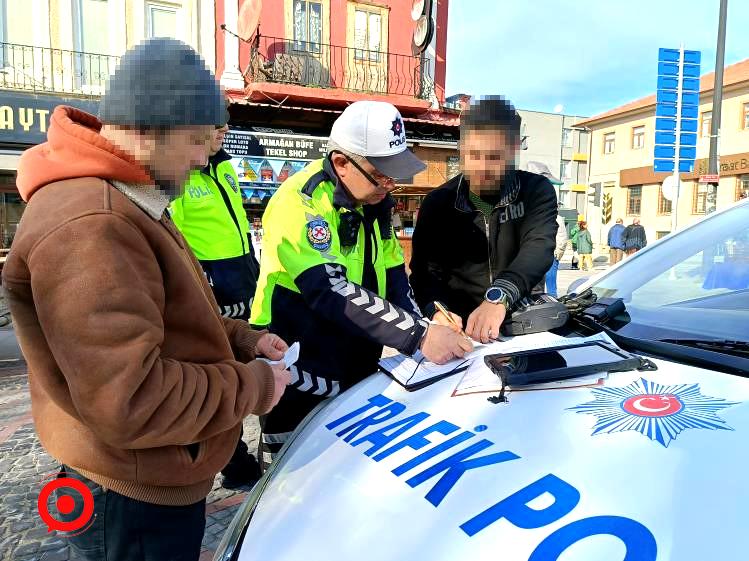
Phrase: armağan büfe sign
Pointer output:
(275, 145)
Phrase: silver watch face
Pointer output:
(494, 295)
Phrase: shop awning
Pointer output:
(259, 192)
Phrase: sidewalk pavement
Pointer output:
(24, 464)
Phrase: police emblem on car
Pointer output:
(230, 181)
(318, 234)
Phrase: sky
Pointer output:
(580, 57)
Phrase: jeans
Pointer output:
(123, 529)
(551, 279)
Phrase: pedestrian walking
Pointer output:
(573, 242)
(561, 240)
(634, 237)
(616, 242)
(585, 247)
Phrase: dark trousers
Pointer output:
(124, 529)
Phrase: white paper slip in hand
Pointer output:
(289, 358)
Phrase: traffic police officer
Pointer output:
(332, 274)
(210, 215)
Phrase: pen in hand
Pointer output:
(441, 308)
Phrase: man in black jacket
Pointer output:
(485, 238)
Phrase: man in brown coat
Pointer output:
(138, 385)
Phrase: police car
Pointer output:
(642, 466)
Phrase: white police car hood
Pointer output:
(649, 466)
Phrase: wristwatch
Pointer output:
(495, 295)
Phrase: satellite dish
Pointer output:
(249, 18)
(423, 33)
(669, 188)
(417, 9)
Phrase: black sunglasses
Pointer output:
(366, 174)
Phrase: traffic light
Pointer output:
(607, 208)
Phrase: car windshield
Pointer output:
(692, 285)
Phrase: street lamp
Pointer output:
(712, 190)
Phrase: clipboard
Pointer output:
(414, 373)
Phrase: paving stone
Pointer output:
(58, 555)
(27, 549)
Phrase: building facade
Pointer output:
(55, 52)
(622, 182)
(289, 77)
(556, 140)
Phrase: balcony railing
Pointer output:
(42, 69)
(318, 65)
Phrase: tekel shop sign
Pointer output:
(261, 142)
(24, 118)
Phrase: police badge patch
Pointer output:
(318, 235)
(230, 181)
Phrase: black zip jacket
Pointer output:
(458, 252)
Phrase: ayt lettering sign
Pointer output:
(24, 118)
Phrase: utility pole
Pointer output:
(713, 168)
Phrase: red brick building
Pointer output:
(289, 77)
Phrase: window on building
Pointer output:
(699, 199)
(608, 143)
(11, 208)
(664, 205)
(16, 56)
(742, 187)
(92, 26)
(634, 200)
(707, 121)
(567, 138)
(661, 234)
(566, 169)
(91, 23)
(745, 115)
(16, 23)
(638, 137)
(307, 26)
(161, 20)
(367, 35)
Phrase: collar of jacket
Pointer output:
(341, 197)
(508, 193)
(218, 158)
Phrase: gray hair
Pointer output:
(333, 146)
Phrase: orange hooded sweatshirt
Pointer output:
(136, 381)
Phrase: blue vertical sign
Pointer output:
(676, 110)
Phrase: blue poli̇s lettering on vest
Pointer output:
(516, 510)
(638, 540)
